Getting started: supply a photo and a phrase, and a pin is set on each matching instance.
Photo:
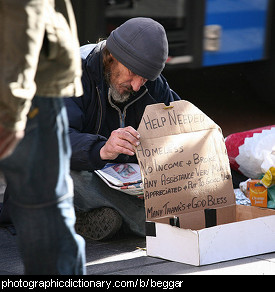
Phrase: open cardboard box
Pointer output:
(189, 198)
(251, 232)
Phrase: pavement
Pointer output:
(126, 256)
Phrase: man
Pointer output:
(39, 64)
(121, 76)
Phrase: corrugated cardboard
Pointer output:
(183, 161)
(189, 197)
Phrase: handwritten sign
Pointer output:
(183, 161)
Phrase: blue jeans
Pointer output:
(92, 192)
(40, 193)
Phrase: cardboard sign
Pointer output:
(183, 161)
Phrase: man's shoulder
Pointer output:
(86, 50)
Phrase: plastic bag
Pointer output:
(268, 180)
(252, 153)
(269, 177)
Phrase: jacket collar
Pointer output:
(93, 64)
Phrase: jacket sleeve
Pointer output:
(21, 38)
(85, 146)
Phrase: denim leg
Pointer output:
(5, 219)
(91, 192)
(41, 194)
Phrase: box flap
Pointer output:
(183, 161)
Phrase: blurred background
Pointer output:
(221, 52)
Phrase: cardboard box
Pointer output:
(189, 198)
(251, 233)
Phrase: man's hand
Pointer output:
(8, 141)
(121, 141)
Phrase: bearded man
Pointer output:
(121, 76)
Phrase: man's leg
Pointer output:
(92, 193)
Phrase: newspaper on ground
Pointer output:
(124, 177)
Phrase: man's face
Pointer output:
(123, 82)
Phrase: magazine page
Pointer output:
(120, 174)
(124, 177)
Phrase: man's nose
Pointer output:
(137, 82)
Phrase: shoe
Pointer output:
(98, 224)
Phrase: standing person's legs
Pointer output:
(41, 193)
(5, 219)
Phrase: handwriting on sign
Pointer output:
(202, 173)
(169, 208)
(172, 119)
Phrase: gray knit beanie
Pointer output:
(141, 45)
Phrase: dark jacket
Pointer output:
(92, 118)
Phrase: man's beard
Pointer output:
(118, 97)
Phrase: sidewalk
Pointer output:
(122, 257)
(127, 256)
